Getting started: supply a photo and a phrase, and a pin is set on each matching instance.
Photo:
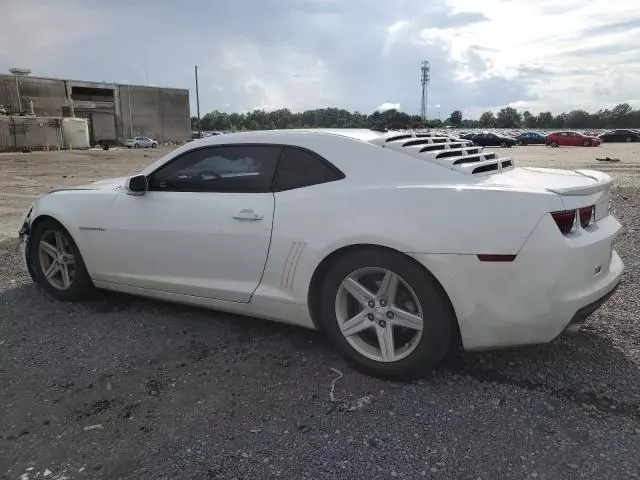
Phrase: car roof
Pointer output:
(358, 144)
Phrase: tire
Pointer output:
(554, 144)
(154, 145)
(80, 284)
(521, 143)
(504, 145)
(586, 143)
(136, 145)
(628, 139)
(417, 352)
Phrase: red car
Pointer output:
(573, 139)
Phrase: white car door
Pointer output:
(203, 227)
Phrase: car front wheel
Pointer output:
(55, 263)
(385, 314)
(586, 143)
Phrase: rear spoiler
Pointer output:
(602, 182)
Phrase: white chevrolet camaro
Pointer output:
(397, 245)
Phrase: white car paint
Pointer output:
(140, 142)
(187, 247)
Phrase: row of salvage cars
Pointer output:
(552, 139)
(399, 246)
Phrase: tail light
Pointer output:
(566, 219)
(586, 215)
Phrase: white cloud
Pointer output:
(33, 32)
(388, 106)
(555, 36)
(546, 55)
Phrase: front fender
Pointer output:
(80, 212)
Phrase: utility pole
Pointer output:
(425, 69)
(198, 104)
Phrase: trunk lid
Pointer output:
(562, 182)
(576, 188)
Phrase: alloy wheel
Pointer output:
(57, 259)
(379, 314)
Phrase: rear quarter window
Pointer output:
(299, 168)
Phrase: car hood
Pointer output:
(106, 184)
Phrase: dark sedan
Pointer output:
(531, 138)
(623, 135)
(493, 140)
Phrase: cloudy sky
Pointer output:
(357, 54)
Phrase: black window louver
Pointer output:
(475, 158)
(398, 137)
(448, 153)
(431, 148)
(485, 168)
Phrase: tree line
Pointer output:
(620, 116)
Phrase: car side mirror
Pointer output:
(136, 185)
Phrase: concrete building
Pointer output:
(114, 111)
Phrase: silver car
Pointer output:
(140, 142)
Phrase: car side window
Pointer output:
(230, 168)
(301, 168)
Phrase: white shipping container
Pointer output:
(75, 133)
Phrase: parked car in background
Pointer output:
(493, 140)
(571, 139)
(442, 244)
(466, 135)
(531, 138)
(622, 135)
(140, 142)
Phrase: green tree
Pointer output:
(508, 117)
(545, 120)
(529, 120)
(487, 119)
(622, 115)
(560, 121)
(456, 118)
(578, 119)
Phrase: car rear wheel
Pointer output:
(154, 145)
(55, 263)
(385, 314)
(521, 143)
(586, 143)
(136, 145)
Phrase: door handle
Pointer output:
(247, 214)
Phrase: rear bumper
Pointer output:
(585, 312)
(553, 281)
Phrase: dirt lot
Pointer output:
(123, 387)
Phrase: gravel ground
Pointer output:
(124, 387)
